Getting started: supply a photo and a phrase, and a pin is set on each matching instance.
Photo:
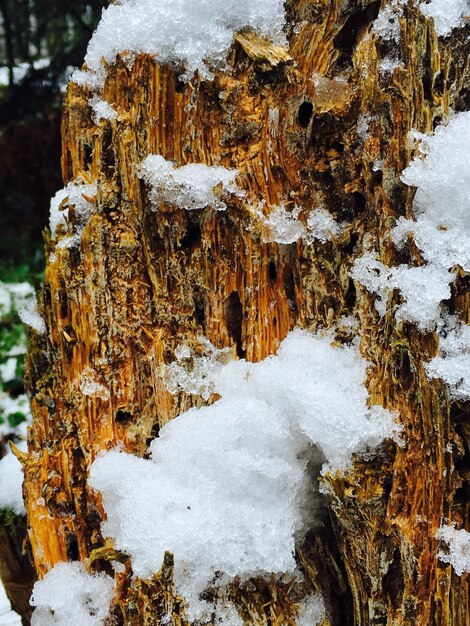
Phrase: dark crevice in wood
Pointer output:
(233, 311)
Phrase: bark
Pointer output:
(143, 282)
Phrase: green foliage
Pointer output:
(16, 418)
(9, 519)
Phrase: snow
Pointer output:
(22, 297)
(245, 491)
(102, 110)
(7, 616)
(322, 226)
(195, 373)
(30, 316)
(189, 34)
(447, 14)
(10, 406)
(57, 215)
(387, 23)
(11, 484)
(90, 386)
(20, 71)
(441, 229)
(453, 362)
(78, 194)
(311, 611)
(69, 596)
(422, 288)
(283, 226)
(457, 552)
(193, 186)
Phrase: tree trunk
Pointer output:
(143, 282)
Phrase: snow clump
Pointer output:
(192, 186)
(311, 611)
(283, 226)
(458, 548)
(11, 483)
(387, 23)
(22, 298)
(194, 34)
(241, 498)
(453, 362)
(68, 595)
(447, 14)
(81, 196)
(440, 229)
(102, 110)
(196, 373)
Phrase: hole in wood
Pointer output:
(353, 29)
(87, 156)
(272, 271)
(122, 417)
(72, 547)
(289, 288)
(359, 202)
(305, 114)
(193, 235)
(233, 312)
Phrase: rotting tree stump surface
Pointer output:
(142, 282)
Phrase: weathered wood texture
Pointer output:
(143, 281)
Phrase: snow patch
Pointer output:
(193, 186)
(458, 548)
(194, 34)
(447, 14)
(11, 484)
(7, 616)
(387, 24)
(90, 386)
(68, 595)
(242, 496)
(81, 196)
(283, 226)
(194, 370)
(441, 228)
(452, 365)
(311, 611)
(102, 110)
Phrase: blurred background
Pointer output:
(41, 42)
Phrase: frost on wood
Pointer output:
(69, 596)
(244, 492)
(447, 14)
(80, 196)
(457, 550)
(193, 186)
(194, 34)
(440, 229)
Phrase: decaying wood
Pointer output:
(143, 282)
